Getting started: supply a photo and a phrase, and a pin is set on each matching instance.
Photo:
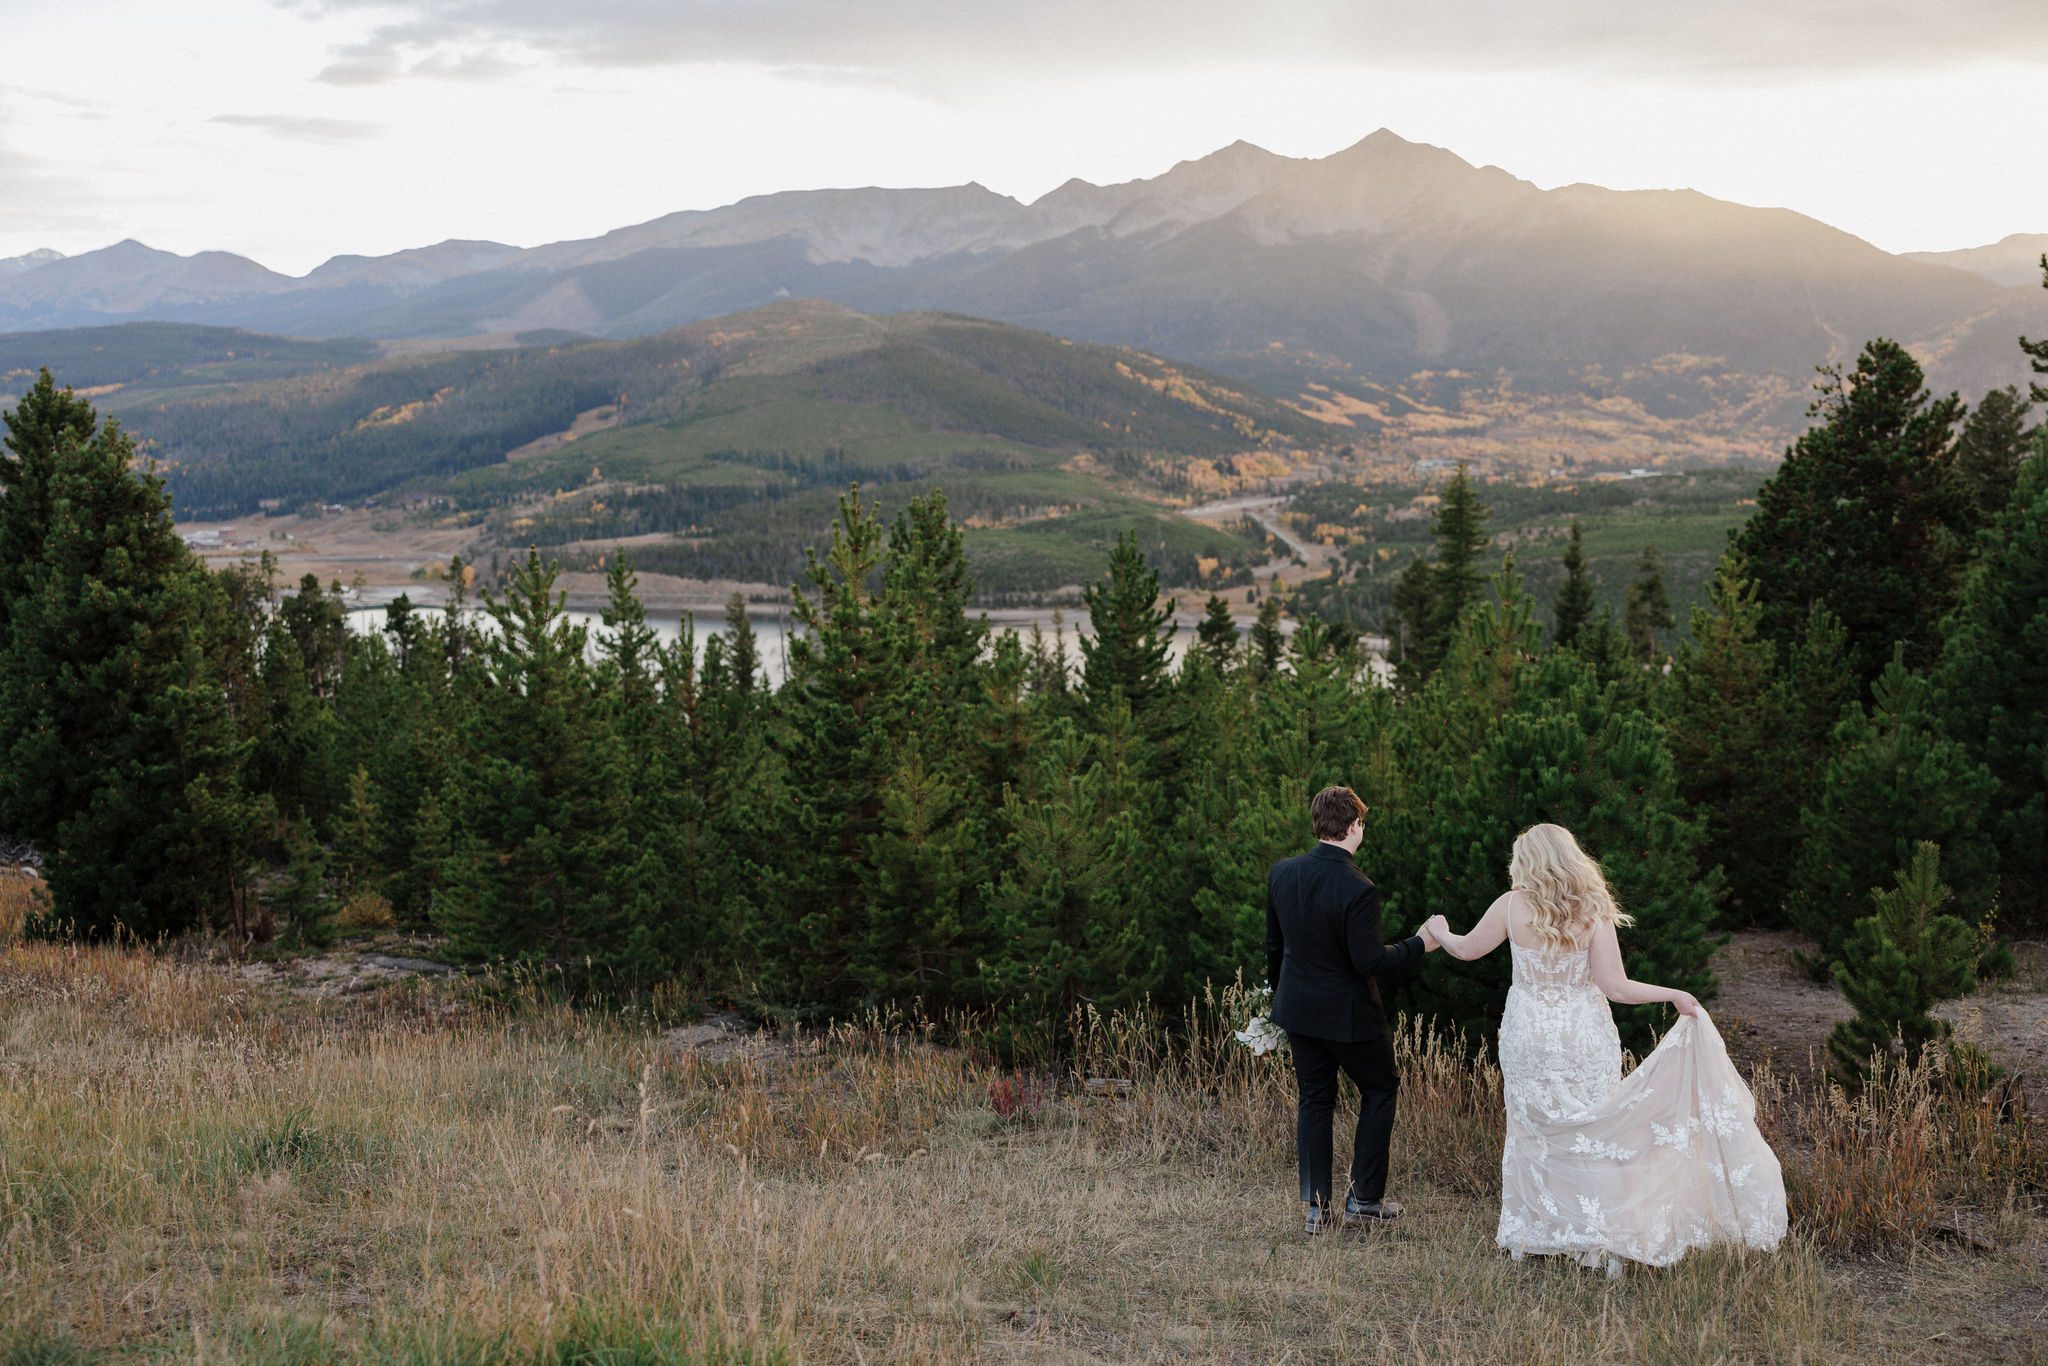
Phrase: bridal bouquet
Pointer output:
(1260, 1034)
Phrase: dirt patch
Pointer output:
(342, 973)
(1770, 1007)
(724, 1038)
(598, 419)
(376, 548)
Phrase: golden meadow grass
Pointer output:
(194, 1167)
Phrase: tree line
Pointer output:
(984, 822)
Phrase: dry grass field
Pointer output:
(198, 1166)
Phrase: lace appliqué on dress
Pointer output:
(1646, 1167)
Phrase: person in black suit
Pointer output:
(1324, 955)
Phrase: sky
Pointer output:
(292, 130)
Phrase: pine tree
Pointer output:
(294, 761)
(843, 684)
(535, 806)
(359, 842)
(1989, 687)
(1048, 674)
(1268, 643)
(1649, 608)
(304, 905)
(1430, 602)
(42, 431)
(1064, 931)
(121, 755)
(1574, 606)
(1995, 440)
(929, 851)
(1461, 544)
(1893, 780)
(1863, 516)
(1414, 608)
(2037, 351)
(1729, 734)
(1132, 635)
(1217, 635)
(646, 756)
(1898, 964)
(925, 932)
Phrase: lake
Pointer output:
(773, 629)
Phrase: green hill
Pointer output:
(720, 448)
(167, 354)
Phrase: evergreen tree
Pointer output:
(535, 807)
(1995, 440)
(1574, 607)
(304, 906)
(1604, 646)
(1461, 545)
(395, 721)
(294, 759)
(1429, 603)
(1048, 675)
(318, 626)
(403, 629)
(1649, 608)
(1729, 732)
(359, 841)
(740, 756)
(1132, 635)
(1863, 516)
(1414, 608)
(1893, 780)
(1989, 687)
(924, 934)
(928, 853)
(843, 685)
(1268, 643)
(1064, 931)
(2037, 351)
(42, 430)
(647, 755)
(1898, 964)
(1217, 635)
(743, 649)
(120, 758)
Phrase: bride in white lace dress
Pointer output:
(1599, 1166)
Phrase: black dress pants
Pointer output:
(1370, 1065)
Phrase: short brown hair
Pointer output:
(1332, 811)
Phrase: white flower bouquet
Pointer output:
(1260, 1034)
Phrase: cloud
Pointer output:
(43, 201)
(939, 41)
(302, 128)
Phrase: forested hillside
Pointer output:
(168, 355)
(720, 447)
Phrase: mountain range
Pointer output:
(1388, 263)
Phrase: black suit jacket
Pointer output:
(1323, 947)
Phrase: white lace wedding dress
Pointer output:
(1645, 1167)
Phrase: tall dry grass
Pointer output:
(17, 900)
(194, 1167)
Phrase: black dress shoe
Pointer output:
(1320, 1220)
(1357, 1212)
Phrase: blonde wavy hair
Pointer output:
(1568, 894)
